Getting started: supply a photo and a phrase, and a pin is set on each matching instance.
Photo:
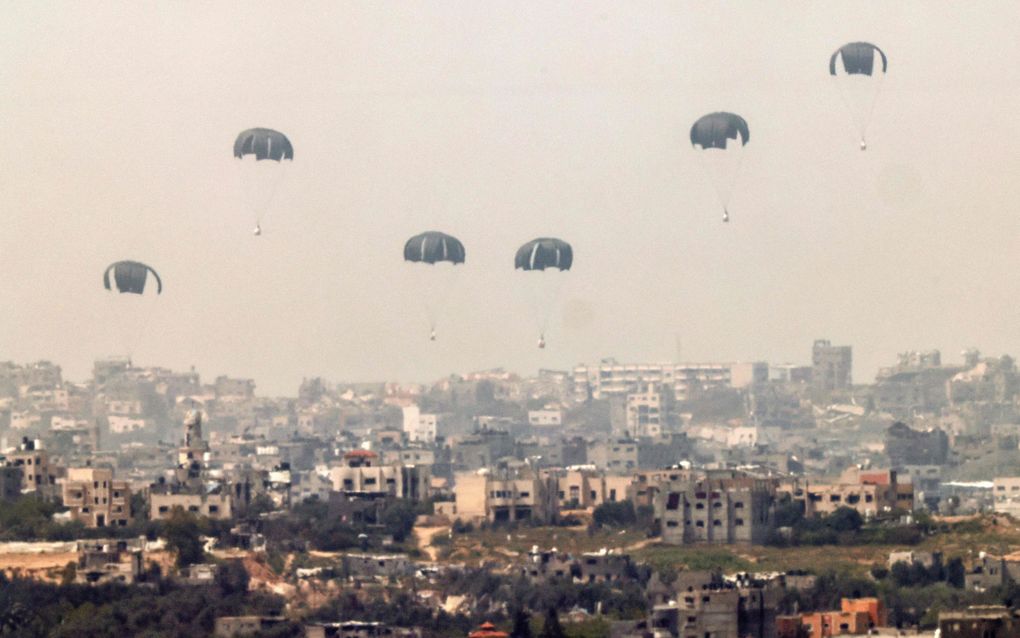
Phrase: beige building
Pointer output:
(870, 492)
(362, 473)
(587, 489)
(508, 494)
(644, 412)
(212, 505)
(1006, 494)
(39, 475)
(96, 499)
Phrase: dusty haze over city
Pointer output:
(500, 122)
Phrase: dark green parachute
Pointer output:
(432, 247)
(131, 277)
(858, 58)
(716, 129)
(263, 143)
(544, 252)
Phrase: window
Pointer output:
(525, 494)
(699, 506)
(739, 522)
(672, 524)
(700, 524)
(214, 509)
(673, 501)
(717, 523)
(738, 505)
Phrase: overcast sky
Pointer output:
(499, 122)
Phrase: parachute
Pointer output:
(719, 139)
(131, 277)
(542, 253)
(549, 259)
(263, 155)
(859, 69)
(432, 246)
(441, 253)
(131, 309)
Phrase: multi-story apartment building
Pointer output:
(716, 510)
(645, 412)
(718, 610)
(686, 380)
(39, 474)
(1006, 495)
(614, 455)
(588, 488)
(831, 366)
(855, 617)
(96, 499)
(418, 427)
(509, 493)
(362, 473)
(870, 492)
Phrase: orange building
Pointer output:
(871, 606)
(855, 617)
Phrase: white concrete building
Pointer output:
(420, 428)
(545, 418)
(644, 412)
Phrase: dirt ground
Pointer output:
(39, 566)
(424, 536)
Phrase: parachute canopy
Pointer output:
(858, 58)
(716, 129)
(432, 246)
(130, 277)
(263, 143)
(545, 252)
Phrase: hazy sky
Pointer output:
(499, 122)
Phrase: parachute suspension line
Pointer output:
(861, 120)
(267, 208)
(724, 191)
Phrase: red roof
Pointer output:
(487, 630)
(362, 453)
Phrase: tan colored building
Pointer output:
(361, 472)
(508, 494)
(1006, 494)
(212, 505)
(39, 475)
(587, 489)
(96, 499)
(870, 492)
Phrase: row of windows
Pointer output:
(739, 522)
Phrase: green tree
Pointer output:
(845, 519)
(182, 537)
(522, 624)
(552, 628)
